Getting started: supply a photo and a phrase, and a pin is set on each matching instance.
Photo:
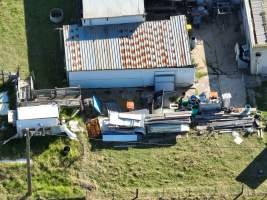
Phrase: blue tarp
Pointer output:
(97, 105)
(3, 97)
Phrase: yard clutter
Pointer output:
(137, 125)
(68, 132)
(38, 111)
(173, 115)
(121, 127)
(93, 128)
(237, 138)
(40, 120)
(223, 121)
(215, 114)
(126, 119)
(177, 122)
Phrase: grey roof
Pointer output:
(259, 16)
(151, 44)
(112, 8)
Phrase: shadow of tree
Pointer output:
(256, 172)
(45, 56)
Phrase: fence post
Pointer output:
(3, 78)
(28, 149)
(240, 194)
(136, 194)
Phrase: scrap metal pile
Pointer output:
(225, 121)
(176, 122)
(135, 125)
(128, 126)
(197, 112)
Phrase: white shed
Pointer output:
(129, 55)
(40, 116)
(254, 15)
(104, 12)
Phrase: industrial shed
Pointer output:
(103, 12)
(129, 55)
(254, 15)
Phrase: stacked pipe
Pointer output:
(222, 121)
(177, 122)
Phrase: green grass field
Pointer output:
(13, 43)
(30, 41)
(204, 165)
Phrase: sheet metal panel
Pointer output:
(115, 137)
(152, 44)
(36, 123)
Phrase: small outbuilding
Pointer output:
(151, 53)
(34, 117)
(104, 12)
(254, 16)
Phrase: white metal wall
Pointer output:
(128, 78)
(258, 64)
(248, 31)
(164, 82)
(247, 22)
(35, 123)
(113, 20)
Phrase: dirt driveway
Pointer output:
(215, 58)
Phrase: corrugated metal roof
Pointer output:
(259, 15)
(112, 8)
(153, 44)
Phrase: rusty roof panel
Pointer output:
(151, 44)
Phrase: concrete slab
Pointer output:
(236, 87)
(214, 54)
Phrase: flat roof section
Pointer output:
(38, 112)
(112, 8)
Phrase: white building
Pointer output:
(129, 55)
(254, 14)
(34, 117)
(103, 12)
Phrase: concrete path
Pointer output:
(215, 56)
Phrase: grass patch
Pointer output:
(31, 41)
(261, 96)
(200, 75)
(52, 172)
(195, 163)
(46, 58)
(13, 45)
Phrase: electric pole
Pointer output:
(28, 152)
